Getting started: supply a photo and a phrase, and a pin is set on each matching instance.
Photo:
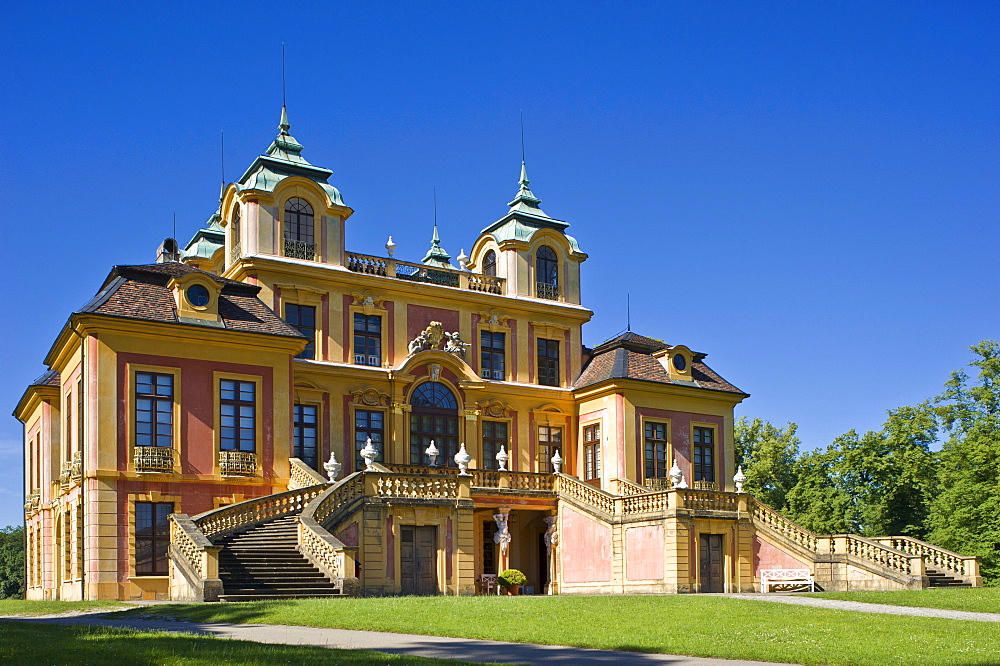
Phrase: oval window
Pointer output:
(680, 362)
(198, 296)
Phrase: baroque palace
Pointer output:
(264, 413)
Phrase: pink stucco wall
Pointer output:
(586, 549)
(644, 552)
(766, 556)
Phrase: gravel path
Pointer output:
(870, 608)
(405, 644)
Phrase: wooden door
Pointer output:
(710, 578)
(418, 560)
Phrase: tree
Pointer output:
(11, 562)
(965, 513)
(817, 501)
(767, 454)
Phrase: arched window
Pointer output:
(433, 416)
(490, 264)
(299, 229)
(546, 273)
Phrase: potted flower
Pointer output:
(511, 580)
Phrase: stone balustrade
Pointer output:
(586, 494)
(414, 486)
(232, 518)
(402, 270)
(302, 475)
(708, 500)
(626, 488)
(935, 557)
(877, 553)
(32, 503)
(766, 516)
(194, 562)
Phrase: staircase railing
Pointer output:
(328, 553)
(228, 519)
(302, 475)
(627, 488)
(764, 515)
(935, 557)
(194, 570)
(586, 494)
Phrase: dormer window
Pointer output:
(490, 264)
(546, 273)
(198, 295)
(299, 239)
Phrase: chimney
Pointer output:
(167, 251)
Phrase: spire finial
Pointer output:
(283, 126)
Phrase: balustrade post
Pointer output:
(464, 487)
(370, 484)
(618, 506)
(743, 503)
(824, 544)
(390, 268)
(463, 281)
(503, 480)
(675, 499)
(838, 545)
(917, 566)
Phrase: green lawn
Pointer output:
(46, 644)
(29, 608)
(975, 599)
(682, 624)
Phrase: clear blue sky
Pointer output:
(808, 192)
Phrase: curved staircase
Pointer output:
(264, 563)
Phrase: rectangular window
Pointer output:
(656, 450)
(303, 318)
(68, 444)
(368, 423)
(492, 347)
(704, 454)
(79, 414)
(305, 434)
(154, 409)
(592, 452)
(368, 339)
(489, 547)
(494, 436)
(549, 441)
(152, 536)
(238, 407)
(548, 362)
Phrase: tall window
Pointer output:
(492, 347)
(704, 454)
(592, 452)
(433, 416)
(305, 434)
(154, 409)
(489, 547)
(303, 318)
(494, 436)
(79, 414)
(549, 440)
(548, 362)
(238, 407)
(152, 536)
(235, 244)
(546, 273)
(299, 241)
(490, 264)
(367, 339)
(368, 423)
(68, 446)
(656, 450)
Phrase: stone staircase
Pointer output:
(937, 578)
(264, 563)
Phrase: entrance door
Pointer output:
(710, 562)
(418, 555)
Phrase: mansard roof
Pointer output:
(630, 356)
(140, 292)
(207, 241)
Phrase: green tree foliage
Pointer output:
(11, 562)
(965, 512)
(767, 454)
(816, 501)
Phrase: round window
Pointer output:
(680, 362)
(198, 296)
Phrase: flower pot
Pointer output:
(513, 590)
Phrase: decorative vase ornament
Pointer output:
(462, 459)
(390, 247)
(557, 462)
(332, 467)
(502, 458)
(432, 453)
(682, 484)
(675, 475)
(739, 479)
(369, 453)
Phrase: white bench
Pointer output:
(769, 577)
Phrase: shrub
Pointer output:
(511, 577)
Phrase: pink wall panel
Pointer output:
(586, 549)
(644, 552)
(766, 556)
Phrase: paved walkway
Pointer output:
(837, 604)
(405, 644)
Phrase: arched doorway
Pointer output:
(433, 416)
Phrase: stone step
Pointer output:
(268, 597)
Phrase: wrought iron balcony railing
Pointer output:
(153, 459)
(238, 463)
(402, 270)
(546, 290)
(300, 249)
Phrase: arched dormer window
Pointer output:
(235, 246)
(490, 264)
(546, 273)
(299, 241)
